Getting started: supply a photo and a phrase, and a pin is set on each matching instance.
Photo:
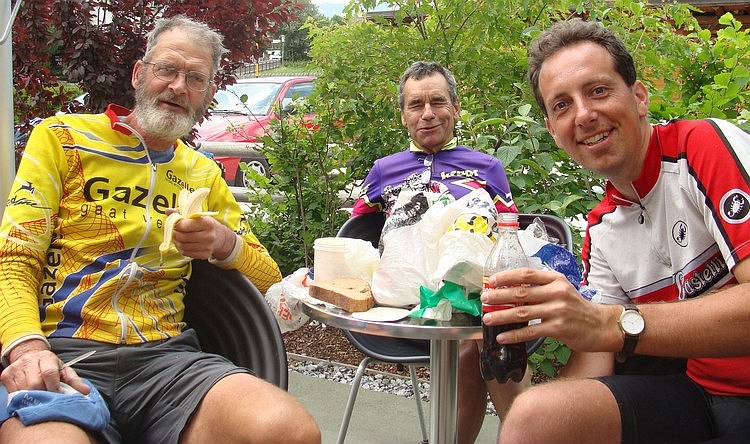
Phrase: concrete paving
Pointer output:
(377, 418)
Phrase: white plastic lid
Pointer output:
(333, 244)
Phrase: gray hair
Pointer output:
(200, 31)
(420, 70)
(570, 32)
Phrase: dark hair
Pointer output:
(420, 70)
(200, 31)
(570, 32)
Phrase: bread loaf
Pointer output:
(350, 294)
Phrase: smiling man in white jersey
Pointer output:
(668, 247)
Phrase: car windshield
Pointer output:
(246, 98)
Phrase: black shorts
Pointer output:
(151, 389)
(674, 409)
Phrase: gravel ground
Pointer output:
(324, 352)
(372, 380)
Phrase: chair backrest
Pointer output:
(364, 226)
(556, 228)
(233, 319)
(369, 225)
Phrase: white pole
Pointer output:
(7, 152)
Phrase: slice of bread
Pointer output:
(350, 294)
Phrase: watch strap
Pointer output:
(629, 341)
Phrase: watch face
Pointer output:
(632, 322)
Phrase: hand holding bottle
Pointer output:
(548, 295)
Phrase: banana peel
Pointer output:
(188, 207)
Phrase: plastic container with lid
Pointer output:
(330, 258)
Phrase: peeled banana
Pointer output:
(188, 206)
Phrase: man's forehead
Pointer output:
(176, 45)
(429, 90)
(584, 60)
(432, 93)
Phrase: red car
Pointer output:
(241, 117)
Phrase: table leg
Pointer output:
(443, 390)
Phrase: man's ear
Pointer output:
(641, 97)
(213, 89)
(134, 76)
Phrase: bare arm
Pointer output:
(713, 325)
(588, 365)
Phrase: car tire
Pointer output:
(259, 165)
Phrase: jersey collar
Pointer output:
(115, 113)
(650, 171)
(448, 146)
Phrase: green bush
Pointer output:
(302, 201)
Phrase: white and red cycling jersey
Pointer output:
(685, 233)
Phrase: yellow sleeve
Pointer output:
(27, 230)
(252, 258)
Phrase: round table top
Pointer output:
(461, 325)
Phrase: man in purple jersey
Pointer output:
(435, 162)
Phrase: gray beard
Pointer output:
(164, 124)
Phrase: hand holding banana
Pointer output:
(188, 206)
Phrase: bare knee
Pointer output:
(526, 404)
(290, 420)
(528, 407)
(243, 409)
(560, 411)
(13, 430)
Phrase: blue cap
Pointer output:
(34, 406)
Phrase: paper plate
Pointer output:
(382, 314)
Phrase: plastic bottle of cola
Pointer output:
(503, 361)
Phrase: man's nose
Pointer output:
(179, 83)
(427, 112)
(585, 112)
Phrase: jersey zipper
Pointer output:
(132, 267)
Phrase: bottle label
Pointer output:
(489, 308)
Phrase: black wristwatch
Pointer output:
(631, 324)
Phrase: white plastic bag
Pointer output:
(285, 298)
(361, 259)
(408, 256)
(435, 249)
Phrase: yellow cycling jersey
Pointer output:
(79, 241)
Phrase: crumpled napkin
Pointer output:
(440, 304)
(34, 406)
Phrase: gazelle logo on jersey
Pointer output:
(735, 206)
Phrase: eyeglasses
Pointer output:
(167, 72)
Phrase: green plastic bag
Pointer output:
(454, 293)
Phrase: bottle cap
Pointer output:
(507, 220)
